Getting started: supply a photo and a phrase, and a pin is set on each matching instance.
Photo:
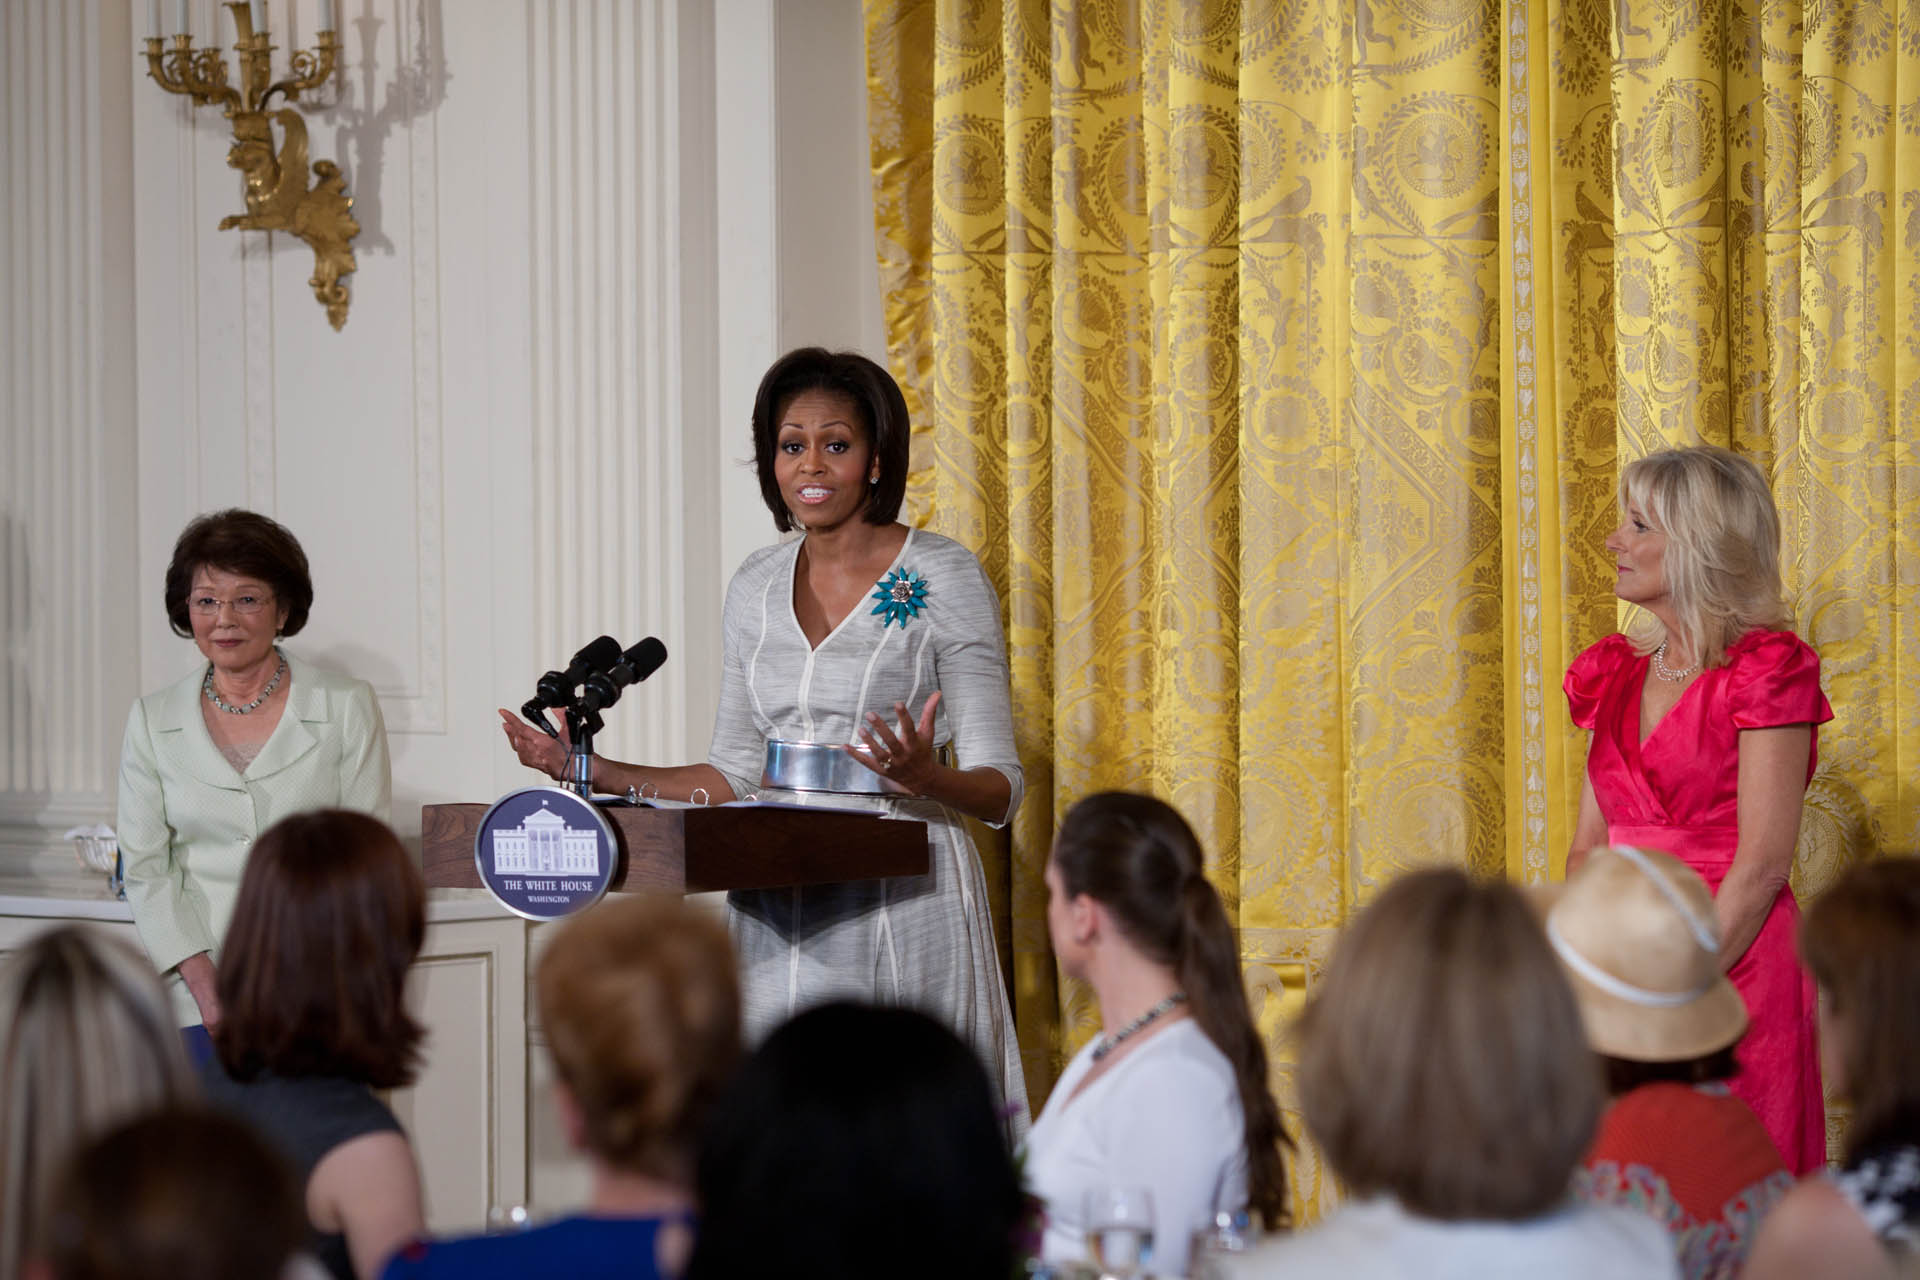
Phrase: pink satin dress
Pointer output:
(1678, 792)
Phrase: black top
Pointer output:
(1883, 1182)
(304, 1118)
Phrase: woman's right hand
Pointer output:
(534, 748)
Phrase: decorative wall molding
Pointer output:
(239, 381)
(421, 706)
(257, 395)
(428, 712)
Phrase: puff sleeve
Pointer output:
(1773, 679)
(1591, 673)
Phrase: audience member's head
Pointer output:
(86, 1040)
(312, 981)
(641, 1011)
(1139, 859)
(179, 1192)
(1636, 932)
(1441, 1057)
(858, 1141)
(1861, 939)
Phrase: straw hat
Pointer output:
(1636, 932)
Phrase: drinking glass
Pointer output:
(1120, 1230)
(505, 1219)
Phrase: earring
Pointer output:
(874, 478)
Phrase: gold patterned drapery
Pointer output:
(1279, 357)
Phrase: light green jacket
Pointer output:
(187, 821)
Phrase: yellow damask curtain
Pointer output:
(1278, 358)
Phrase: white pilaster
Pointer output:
(66, 451)
(616, 454)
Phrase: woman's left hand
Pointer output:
(902, 754)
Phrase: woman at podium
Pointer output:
(886, 639)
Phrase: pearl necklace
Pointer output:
(1667, 673)
(213, 695)
(1139, 1024)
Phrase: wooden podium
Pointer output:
(705, 849)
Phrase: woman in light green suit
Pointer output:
(245, 740)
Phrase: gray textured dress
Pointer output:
(924, 941)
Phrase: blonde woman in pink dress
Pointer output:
(1704, 738)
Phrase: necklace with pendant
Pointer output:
(213, 695)
(1139, 1024)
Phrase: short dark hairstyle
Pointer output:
(877, 402)
(242, 542)
(1861, 940)
(312, 977)
(1442, 1058)
(857, 1138)
(178, 1192)
(641, 1011)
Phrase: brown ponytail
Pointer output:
(1137, 856)
(1209, 968)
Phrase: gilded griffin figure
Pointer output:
(279, 196)
(279, 199)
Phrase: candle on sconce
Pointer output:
(153, 18)
(326, 16)
(259, 8)
(180, 26)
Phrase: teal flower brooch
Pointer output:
(900, 594)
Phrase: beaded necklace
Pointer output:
(213, 696)
(1139, 1024)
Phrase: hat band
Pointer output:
(1707, 936)
(1615, 987)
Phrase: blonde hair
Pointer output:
(641, 1011)
(1722, 559)
(87, 1040)
(1442, 1058)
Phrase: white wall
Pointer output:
(587, 225)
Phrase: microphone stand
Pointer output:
(582, 724)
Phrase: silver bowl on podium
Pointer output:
(822, 766)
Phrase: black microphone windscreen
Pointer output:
(645, 658)
(597, 656)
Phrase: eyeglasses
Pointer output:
(245, 606)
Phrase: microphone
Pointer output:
(556, 687)
(635, 665)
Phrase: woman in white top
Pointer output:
(1172, 1097)
(1445, 1074)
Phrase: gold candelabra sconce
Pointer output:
(279, 195)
